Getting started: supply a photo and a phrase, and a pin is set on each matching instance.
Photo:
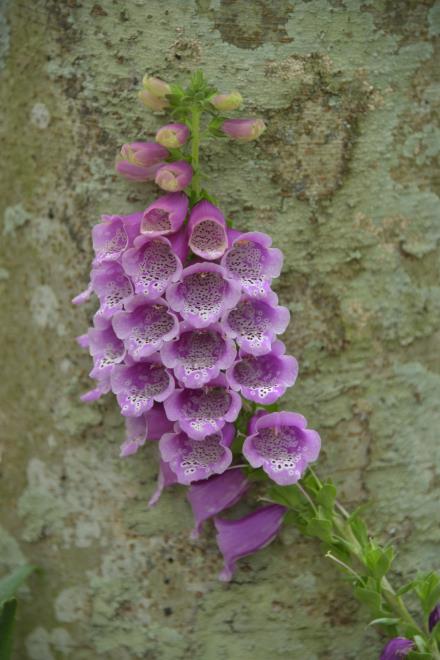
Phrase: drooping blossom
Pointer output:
(396, 648)
(214, 495)
(242, 537)
(203, 294)
(252, 262)
(112, 286)
(198, 355)
(254, 324)
(193, 460)
(145, 326)
(207, 231)
(106, 350)
(113, 235)
(174, 176)
(165, 478)
(154, 93)
(135, 435)
(201, 412)
(434, 617)
(172, 136)
(139, 161)
(165, 215)
(263, 378)
(243, 130)
(157, 422)
(152, 264)
(227, 102)
(137, 386)
(282, 445)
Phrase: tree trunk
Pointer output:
(344, 180)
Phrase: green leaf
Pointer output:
(320, 528)
(289, 496)
(359, 529)
(10, 583)
(406, 587)
(326, 496)
(369, 597)
(384, 621)
(379, 560)
(416, 655)
(7, 619)
(428, 591)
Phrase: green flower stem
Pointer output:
(195, 151)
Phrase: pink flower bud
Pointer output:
(172, 136)
(139, 161)
(174, 177)
(154, 93)
(230, 101)
(244, 130)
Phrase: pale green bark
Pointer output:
(345, 181)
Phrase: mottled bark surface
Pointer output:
(345, 180)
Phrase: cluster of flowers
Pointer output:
(187, 322)
(186, 338)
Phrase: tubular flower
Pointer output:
(154, 93)
(226, 102)
(214, 495)
(252, 262)
(152, 265)
(203, 294)
(255, 323)
(135, 435)
(139, 161)
(242, 537)
(145, 326)
(165, 478)
(207, 231)
(138, 385)
(204, 411)
(112, 287)
(113, 235)
(264, 378)
(198, 355)
(172, 136)
(282, 445)
(193, 460)
(396, 648)
(244, 130)
(165, 216)
(174, 176)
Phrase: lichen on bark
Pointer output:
(344, 180)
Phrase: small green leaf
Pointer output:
(320, 528)
(384, 621)
(369, 597)
(416, 655)
(406, 587)
(326, 497)
(10, 583)
(289, 496)
(359, 529)
(378, 560)
(7, 620)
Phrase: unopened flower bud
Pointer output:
(244, 130)
(434, 617)
(139, 161)
(397, 648)
(172, 136)
(154, 93)
(225, 102)
(174, 177)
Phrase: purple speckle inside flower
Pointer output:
(262, 375)
(109, 239)
(250, 320)
(206, 405)
(208, 239)
(151, 267)
(203, 294)
(137, 386)
(156, 220)
(144, 329)
(199, 349)
(281, 447)
(245, 262)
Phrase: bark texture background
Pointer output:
(346, 182)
